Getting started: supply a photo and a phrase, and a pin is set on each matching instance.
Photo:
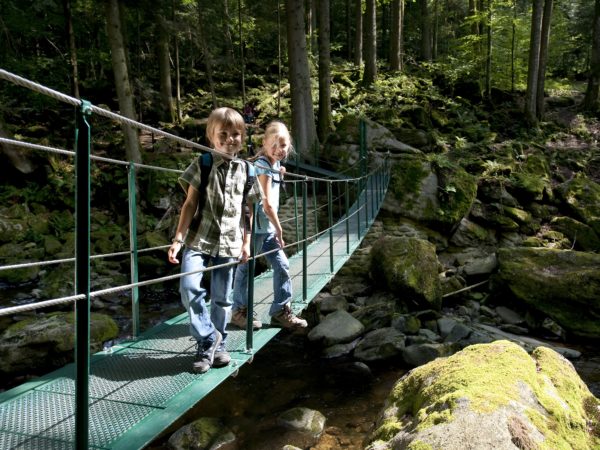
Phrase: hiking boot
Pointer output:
(286, 319)
(222, 356)
(205, 355)
(239, 318)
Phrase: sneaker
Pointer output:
(222, 356)
(286, 319)
(239, 318)
(205, 356)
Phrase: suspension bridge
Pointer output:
(126, 395)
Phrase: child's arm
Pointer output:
(185, 218)
(270, 208)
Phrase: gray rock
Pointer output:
(445, 325)
(481, 266)
(509, 316)
(206, 433)
(338, 350)
(381, 344)
(419, 354)
(331, 303)
(406, 324)
(429, 335)
(304, 420)
(459, 332)
(337, 328)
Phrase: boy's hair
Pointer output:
(224, 117)
(274, 130)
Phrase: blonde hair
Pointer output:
(275, 130)
(224, 117)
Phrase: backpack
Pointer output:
(206, 162)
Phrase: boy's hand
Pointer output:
(245, 253)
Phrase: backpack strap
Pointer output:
(206, 162)
(250, 179)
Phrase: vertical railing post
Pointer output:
(330, 211)
(363, 148)
(133, 249)
(251, 270)
(373, 195)
(316, 212)
(304, 246)
(82, 276)
(347, 205)
(366, 191)
(296, 216)
(358, 207)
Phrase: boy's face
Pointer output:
(227, 139)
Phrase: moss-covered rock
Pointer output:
(531, 181)
(438, 193)
(563, 284)
(202, 434)
(583, 236)
(43, 342)
(407, 267)
(582, 196)
(491, 396)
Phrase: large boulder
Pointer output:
(438, 194)
(563, 284)
(407, 267)
(490, 396)
(43, 342)
(582, 196)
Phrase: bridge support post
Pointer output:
(251, 270)
(82, 275)
(330, 213)
(133, 258)
(347, 209)
(304, 244)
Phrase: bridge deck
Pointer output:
(143, 386)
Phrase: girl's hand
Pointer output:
(245, 253)
(282, 170)
(173, 250)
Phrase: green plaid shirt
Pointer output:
(218, 230)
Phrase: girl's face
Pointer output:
(277, 147)
(227, 139)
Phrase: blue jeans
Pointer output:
(193, 295)
(282, 283)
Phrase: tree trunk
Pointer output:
(303, 116)
(370, 42)
(122, 84)
(545, 38)
(72, 47)
(358, 36)
(311, 23)
(513, 45)
(227, 33)
(208, 63)
(425, 31)
(348, 30)
(396, 35)
(534, 61)
(488, 53)
(242, 59)
(434, 39)
(591, 101)
(324, 120)
(167, 111)
(177, 69)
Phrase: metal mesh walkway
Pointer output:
(141, 387)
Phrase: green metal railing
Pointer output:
(362, 197)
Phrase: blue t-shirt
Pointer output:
(263, 167)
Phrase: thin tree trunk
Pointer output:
(488, 53)
(164, 68)
(227, 33)
(242, 60)
(534, 61)
(434, 40)
(425, 31)
(358, 34)
(72, 47)
(208, 63)
(303, 116)
(513, 46)
(370, 42)
(348, 30)
(396, 36)
(122, 84)
(177, 69)
(591, 101)
(279, 77)
(544, 41)
(324, 122)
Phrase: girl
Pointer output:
(269, 235)
(209, 226)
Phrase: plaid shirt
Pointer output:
(218, 230)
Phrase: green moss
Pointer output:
(406, 178)
(488, 377)
(419, 445)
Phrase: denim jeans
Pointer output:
(193, 295)
(282, 283)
